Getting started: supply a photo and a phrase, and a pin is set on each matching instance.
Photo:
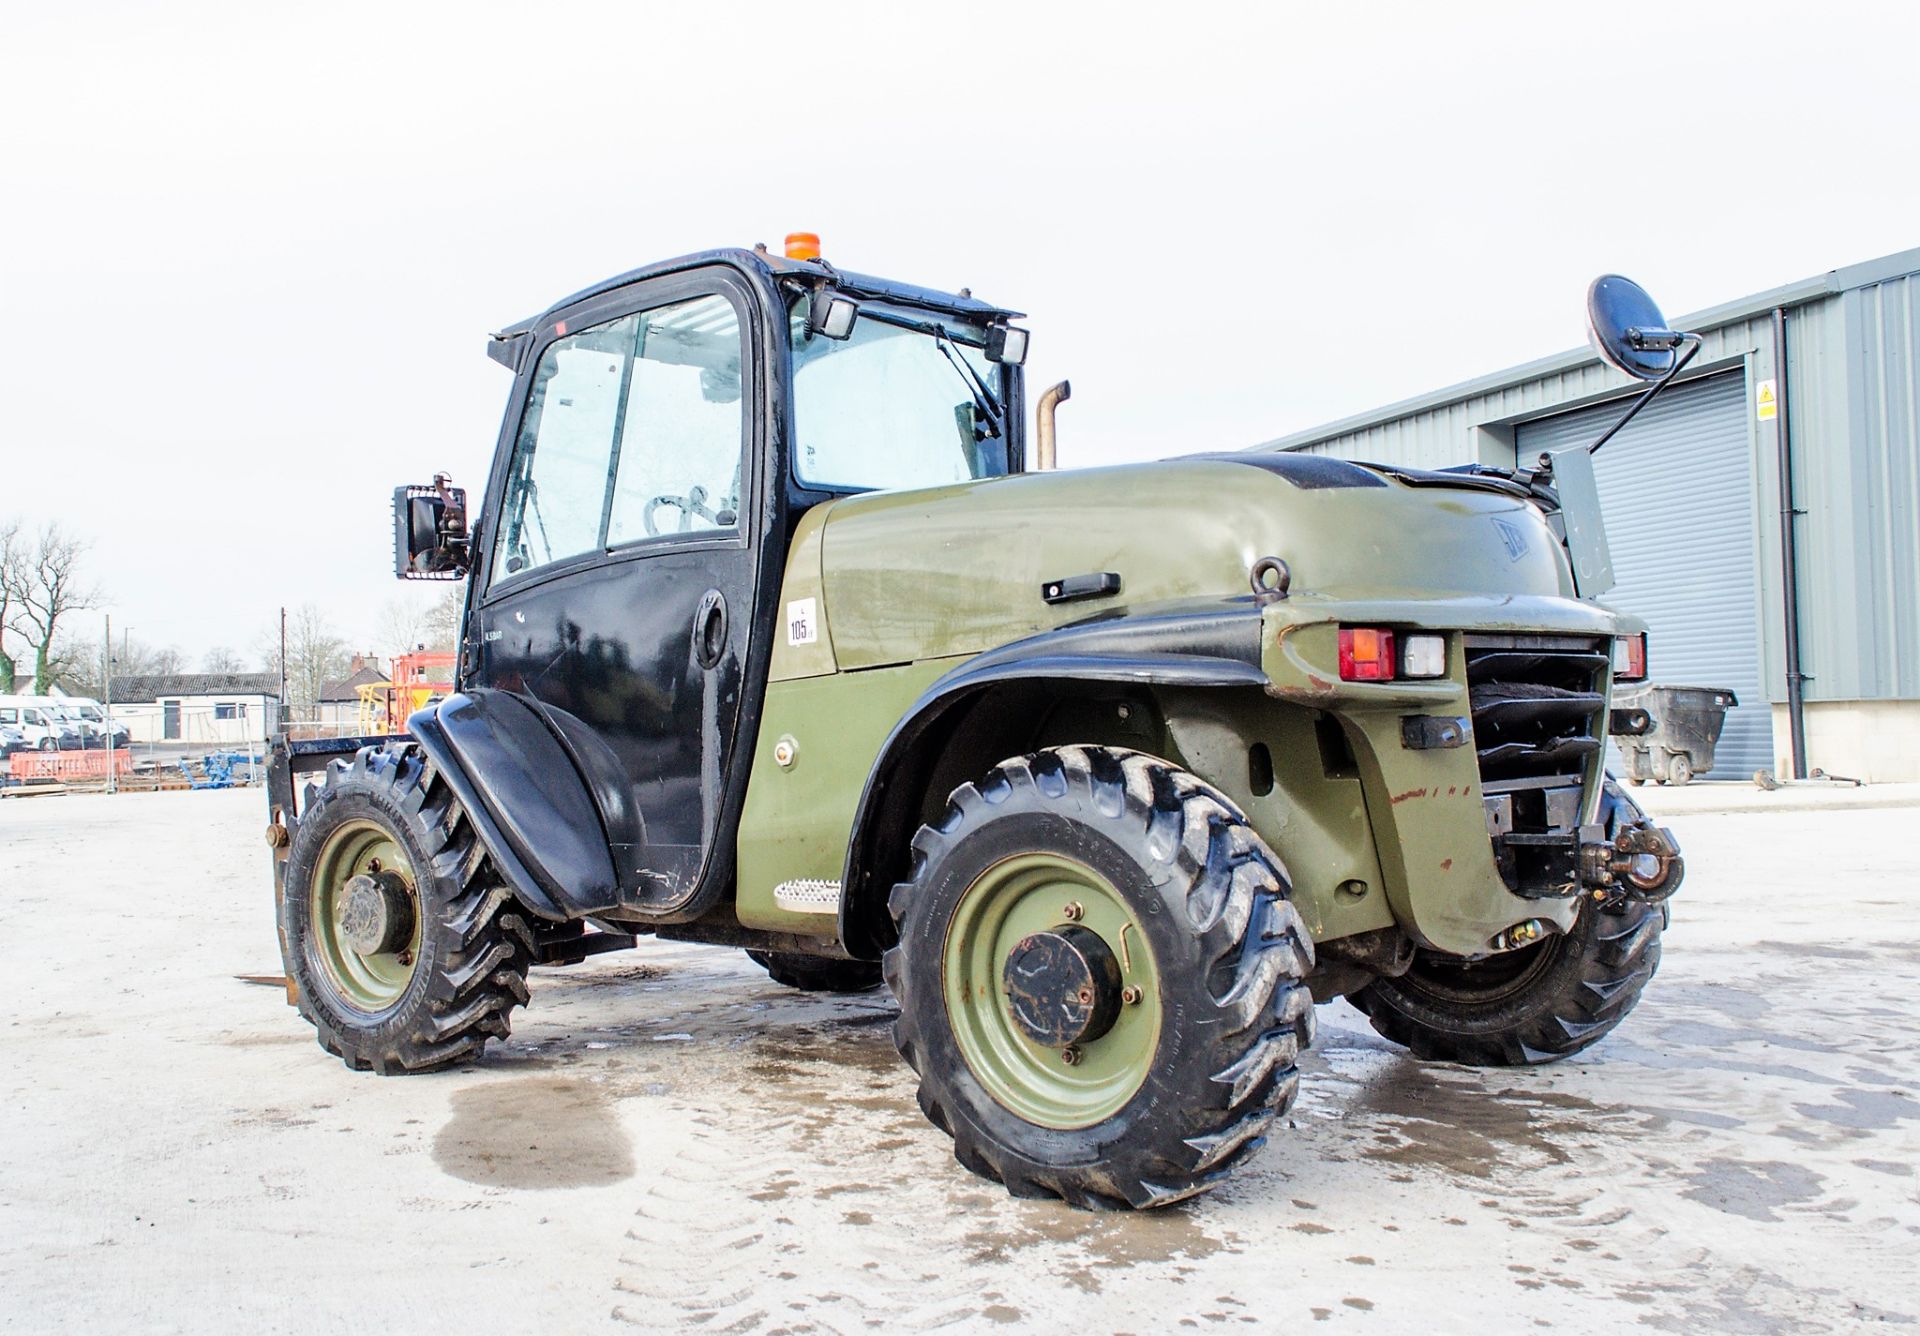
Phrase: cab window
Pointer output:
(633, 430)
(891, 407)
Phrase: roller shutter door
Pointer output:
(1677, 490)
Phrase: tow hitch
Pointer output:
(1642, 862)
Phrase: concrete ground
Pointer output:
(671, 1140)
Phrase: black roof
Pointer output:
(348, 688)
(965, 305)
(152, 686)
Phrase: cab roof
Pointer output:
(963, 303)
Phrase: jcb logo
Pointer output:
(1514, 537)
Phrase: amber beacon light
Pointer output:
(803, 245)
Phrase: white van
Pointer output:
(41, 723)
(94, 719)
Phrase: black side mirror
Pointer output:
(1628, 330)
(430, 531)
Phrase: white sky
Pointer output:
(251, 252)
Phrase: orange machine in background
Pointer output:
(417, 678)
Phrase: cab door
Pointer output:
(618, 580)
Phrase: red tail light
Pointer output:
(1630, 658)
(1366, 654)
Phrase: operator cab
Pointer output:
(667, 432)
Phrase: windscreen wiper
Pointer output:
(983, 398)
(985, 402)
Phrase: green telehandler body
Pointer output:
(776, 637)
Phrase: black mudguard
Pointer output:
(527, 799)
(1200, 643)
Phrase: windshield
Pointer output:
(890, 407)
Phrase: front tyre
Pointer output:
(1538, 1004)
(1101, 981)
(405, 951)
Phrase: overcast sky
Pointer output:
(251, 252)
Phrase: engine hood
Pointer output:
(958, 570)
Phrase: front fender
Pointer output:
(526, 799)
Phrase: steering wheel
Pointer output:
(693, 503)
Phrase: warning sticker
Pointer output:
(1765, 406)
(803, 622)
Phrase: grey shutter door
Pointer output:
(1676, 489)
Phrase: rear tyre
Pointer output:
(817, 974)
(1539, 1004)
(406, 952)
(1101, 982)
(1679, 768)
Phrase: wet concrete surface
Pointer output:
(671, 1141)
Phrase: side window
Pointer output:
(633, 429)
(8, 715)
(681, 452)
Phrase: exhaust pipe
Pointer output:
(1043, 448)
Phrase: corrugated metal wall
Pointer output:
(1468, 429)
(1854, 399)
(1853, 385)
(1678, 497)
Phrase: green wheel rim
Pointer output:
(1027, 894)
(366, 983)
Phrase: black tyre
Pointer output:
(406, 952)
(1538, 1004)
(817, 974)
(1101, 981)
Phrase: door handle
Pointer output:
(710, 629)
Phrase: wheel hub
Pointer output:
(376, 914)
(1063, 986)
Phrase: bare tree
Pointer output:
(136, 658)
(441, 624)
(44, 585)
(220, 659)
(316, 655)
(403, 625)
(10, 557)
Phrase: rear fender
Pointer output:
(1205, 644)
(527, 800)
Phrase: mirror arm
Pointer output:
(1693, 342)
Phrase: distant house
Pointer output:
(339, 707)
(202, 709)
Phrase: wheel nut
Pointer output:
(1073, 911)
(1086, 997)
(405, 957)
(1130, 995)
(1070, 1056)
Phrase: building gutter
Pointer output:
(1789, 550)
(1714, 317)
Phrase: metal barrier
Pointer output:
(28, 766)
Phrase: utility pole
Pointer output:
(106, 663)
(283, 667)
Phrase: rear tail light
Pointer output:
(1366, 654)
(1375, 654)
(1423, 656)
(1630, 658)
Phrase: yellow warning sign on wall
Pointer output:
(1765, 406)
